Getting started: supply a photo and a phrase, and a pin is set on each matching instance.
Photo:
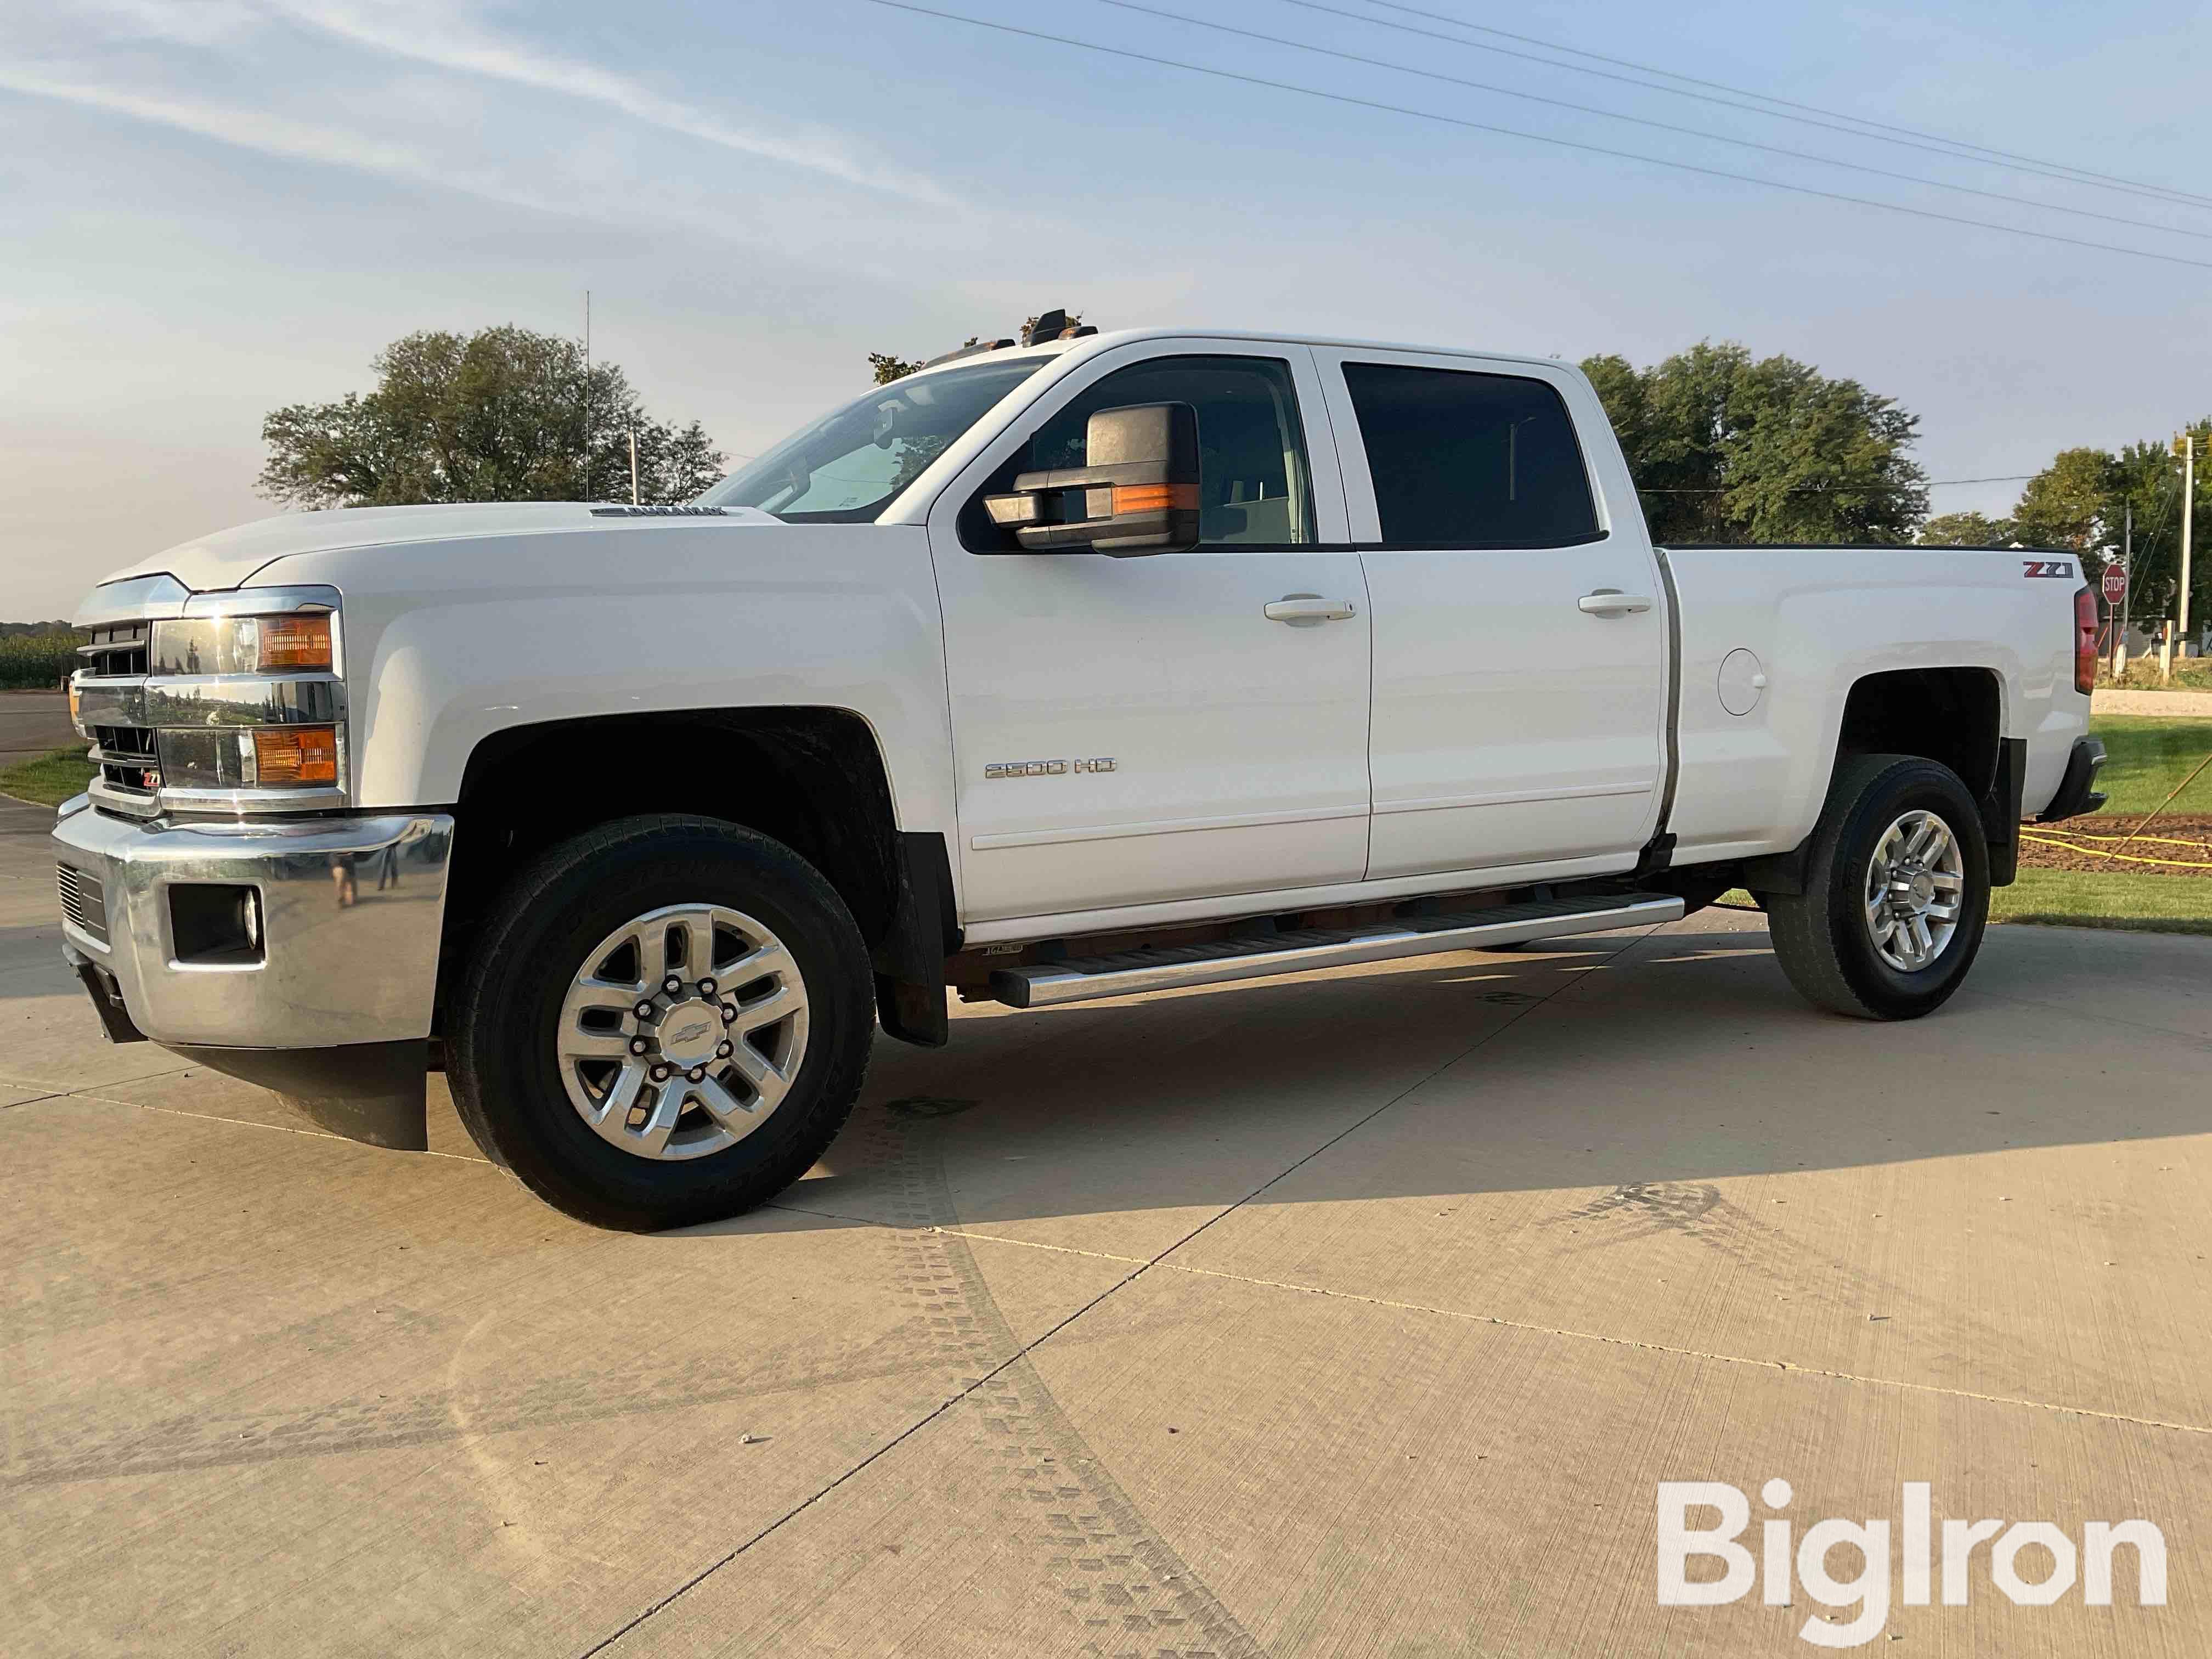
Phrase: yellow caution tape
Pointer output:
(2124, 857)
(2082, 835)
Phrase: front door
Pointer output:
(1135, 730)
(1520, 640)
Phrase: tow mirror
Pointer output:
(1137, 492)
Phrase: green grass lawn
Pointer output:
(2072, 899)
(2146, 755)
(51, 779)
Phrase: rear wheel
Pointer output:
(1897, 895)
(664, 1022)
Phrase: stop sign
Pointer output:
(2116, 582)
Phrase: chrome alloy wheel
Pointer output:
(683, 1032)
(1916, 884)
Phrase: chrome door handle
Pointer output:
(1304, 609)
(1612, 602)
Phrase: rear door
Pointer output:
(1137, 731)
(1520, 639)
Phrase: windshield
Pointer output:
(847, 466)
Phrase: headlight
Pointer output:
(300, 643)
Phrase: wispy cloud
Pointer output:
(435, 34)
(276, 135)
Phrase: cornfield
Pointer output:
(38, 662)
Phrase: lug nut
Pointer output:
(671, 985)
(705, 987)
(638, 1045)
(697, 1074)
(643, 1010)
(726, 1050)
(660, 1073)
(729, 1015)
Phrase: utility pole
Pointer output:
(633, 467)
(2127, 594)
(2186, 446)
(587, 394)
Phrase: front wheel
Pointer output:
(664, 1022)
(1898, 893)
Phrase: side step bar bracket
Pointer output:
(1162, 968)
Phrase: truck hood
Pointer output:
(229, 557)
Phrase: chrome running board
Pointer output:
(1162, 967)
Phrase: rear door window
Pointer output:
(1465, 459)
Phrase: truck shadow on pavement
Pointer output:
(1683, 1057)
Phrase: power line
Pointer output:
(1645, 121)
(1537, 138)
(1882, 131)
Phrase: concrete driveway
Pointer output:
(1357, 1314)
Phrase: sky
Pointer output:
(210, 208)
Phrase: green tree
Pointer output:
(1725, 447)
(502, 414)
(2073, 502)
(1967, 529)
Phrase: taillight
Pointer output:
(2085, 640)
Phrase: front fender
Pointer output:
(453, 643)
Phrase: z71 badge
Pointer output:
(2062, 568)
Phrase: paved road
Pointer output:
(31, 723)
(2191, 705)
(1355, 1314)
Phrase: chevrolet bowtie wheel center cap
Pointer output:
(690, 1032)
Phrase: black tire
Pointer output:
(500, 1029)
(1822, 936)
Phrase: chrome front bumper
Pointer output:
(351, 914)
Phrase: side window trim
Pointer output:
(1324, 477)
(1364, 516)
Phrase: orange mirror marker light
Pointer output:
(296, 754)
(298, 641)
(1154, 498)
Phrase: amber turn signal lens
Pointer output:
(296, 642)
(1154, 498)
(296, 754)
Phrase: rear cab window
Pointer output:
(1461, 459)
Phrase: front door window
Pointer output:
(1254, 489)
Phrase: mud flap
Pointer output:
(909, 960)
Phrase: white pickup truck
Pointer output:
(1103, 664)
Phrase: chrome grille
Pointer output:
(127, 745)
(84, 900)
(117, 651)
(127, 758)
